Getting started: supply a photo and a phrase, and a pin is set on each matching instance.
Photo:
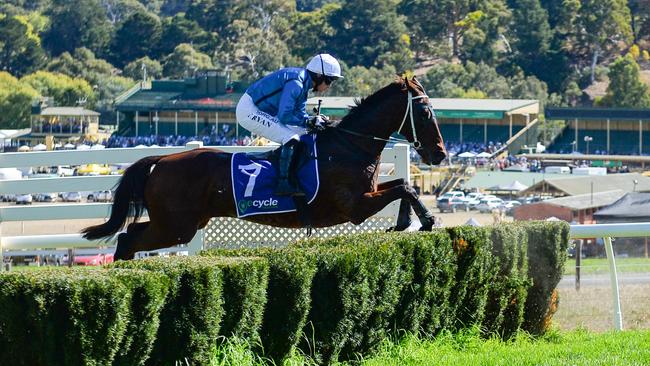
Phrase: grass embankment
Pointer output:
(556, 348)
(601, 266)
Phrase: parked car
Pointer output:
(71, 197)
(509, 206)
(24, 199)
(100, 196)
(451, 204)
(449, 194)
(93, 169)
(9, 198)
(90, 260)
(472, 199)
(489, 204)
(45, 197)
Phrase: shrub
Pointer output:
(190, 318)
(149, 290)
(507, 294)
(430, 264)
(287, 297)
(472, 248)
(547, 252)
(61, 317)
(244, 296)
(354, 294)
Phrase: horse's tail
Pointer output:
(127, 201)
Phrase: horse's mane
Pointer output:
(364, 107)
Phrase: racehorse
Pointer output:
(182, 192)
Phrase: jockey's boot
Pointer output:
(284, 187)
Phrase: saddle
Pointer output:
(254, 176)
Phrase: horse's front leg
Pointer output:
(404, 214)
(373, 202)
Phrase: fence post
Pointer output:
(194, 145)
(618, 316)
(196, 244)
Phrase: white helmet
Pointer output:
(325, 64)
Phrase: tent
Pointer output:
(69, 146)
(472, 222)
(484, 154)
(39, 147)
(83, 147)
(140, 146)
(97, 147)
(514, 186)
(467, 154)
(23, 148)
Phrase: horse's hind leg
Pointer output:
(124, 250)
(158, 235)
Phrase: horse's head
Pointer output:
(419, 124)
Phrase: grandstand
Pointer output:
(600, 131)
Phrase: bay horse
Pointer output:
(182, 192)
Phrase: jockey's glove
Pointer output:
(317, 123)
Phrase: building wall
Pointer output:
(542, 211)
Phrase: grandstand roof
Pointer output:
(484, 180)
(554, 113)
(67, 111)
(634, 205)
(445, 107)
(572, 185)
(588, 200)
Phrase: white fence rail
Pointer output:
(607, 232)
(398, 155)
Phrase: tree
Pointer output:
(119, 10)
(367, 29)
(185, 61)
(76, 24)
(136, 37)
(625, 86)
(450, 80)
(15, 102)
(213, 15)
(134, 69)
(82, 63)
(178, 29)
(64, 89)
(532, 33)
(20, 47)
(600, 25)
(311, 31)
(361, 82)
(423, 26)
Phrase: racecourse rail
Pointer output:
(398, 155)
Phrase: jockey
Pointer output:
(274, 107)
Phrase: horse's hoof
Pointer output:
(427, 227)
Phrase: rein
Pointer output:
(408, 113)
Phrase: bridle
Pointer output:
(408, 113)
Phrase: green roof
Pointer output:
(145, 100)
(484, 180)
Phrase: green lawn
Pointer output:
(601, 266)
(557, 348)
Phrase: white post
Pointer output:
(176, 123)
(216, 122)
(576, 134)
(618, 315)
(196, 123)
(640, 137)
(117, 119)
(608, 137)
(510, 115)
(461, 130)
(196, 244)
(137, 114)
(485, 131)
(156, 120)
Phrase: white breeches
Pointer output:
(264, 124)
